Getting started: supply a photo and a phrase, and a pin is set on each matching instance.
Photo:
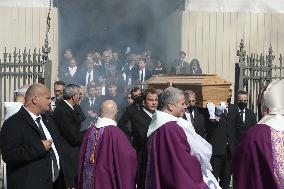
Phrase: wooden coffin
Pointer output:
(208, 88)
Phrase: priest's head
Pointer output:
(273, 97)
(173, 101)
(109, 109)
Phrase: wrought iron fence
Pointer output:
(21, 67)
(253, 72)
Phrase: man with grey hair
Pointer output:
(107, 160)
(258, 159)
(69, 124)
(170, 162)
(10, 108)
(20, 94)
(198, 116)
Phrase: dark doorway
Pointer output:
(92, 25)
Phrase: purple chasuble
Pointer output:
(258, 160)
(170, 164)
(107, 160)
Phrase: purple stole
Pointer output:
(89, 145)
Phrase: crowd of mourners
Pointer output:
(108, 75)
(128, 69)
(103, 128)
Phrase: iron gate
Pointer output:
(255, 71)
(19, 68)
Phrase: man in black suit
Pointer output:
(198, 116)
(247, 116)
(128, 69)
(221, 134)
(71, 73)
(180, 66)
(136, 95)
(89, 73)
(113, 94)
(140, 122)
(142, 74)
(91, 106)
(69, 123)
(30, 146)
(107, 61)
(58, 93)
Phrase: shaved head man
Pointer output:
(107, 160)
(29, 146)
(38, 99)
(109, 109)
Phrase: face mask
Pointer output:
(190, 108)
(242, 105)
(138, 100)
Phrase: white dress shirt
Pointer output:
(91, 78)
(72, 71)
(47, 135)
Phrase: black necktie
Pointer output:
(53, 158)
(191, 117)
(242, 115)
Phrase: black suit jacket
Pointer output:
(126, 117)
(136, 76)
(184, 69)
(69, 124)
(250, 120)
(200, 121)
(83, 75)
(139, 126)
(28, 164)
(66, 77)
(85, 105)
(223, 133)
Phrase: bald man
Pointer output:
(107, 160)
(29, 145)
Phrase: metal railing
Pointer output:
(253, 72)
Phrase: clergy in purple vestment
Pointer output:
(258, 160)
(170, 163)
(107, 160)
